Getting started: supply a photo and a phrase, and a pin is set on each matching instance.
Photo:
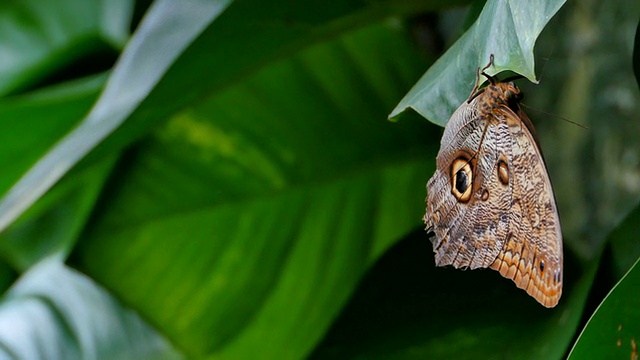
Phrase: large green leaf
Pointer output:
(53, 312)
(506, 28)
(145, 60)
(157, 75)
(244, 224)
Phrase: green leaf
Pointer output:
(242, 226)
(39, 38)
(201, 57)
(616, 322)
(147, 57)
(53, 312)
(507, 29)
(31, 124)
(53, 224)
(614, 329)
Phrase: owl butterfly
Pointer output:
(490, 202)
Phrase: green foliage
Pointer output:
(68, 317)
(407, 309)
(40, 38)
(614, 329)
(260, 208)
(506, 29)
(231, 188)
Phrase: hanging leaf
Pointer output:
(507, 29)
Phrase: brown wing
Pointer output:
(469, 230)
(532, 255)
(506, 218)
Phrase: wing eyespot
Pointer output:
(503, 172)
(461, 179)
(485, 195)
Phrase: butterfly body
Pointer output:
(490, 202)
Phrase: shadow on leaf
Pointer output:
(406, 307)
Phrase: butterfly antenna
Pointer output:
(474, 91)
(491, 79)
(553, 115)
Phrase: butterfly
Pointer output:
(490, 202)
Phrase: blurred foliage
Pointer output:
(230, 188)
(636, 54)
(407, 308)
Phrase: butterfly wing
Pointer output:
(469, 232)
(532, 254)
(506, 218)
